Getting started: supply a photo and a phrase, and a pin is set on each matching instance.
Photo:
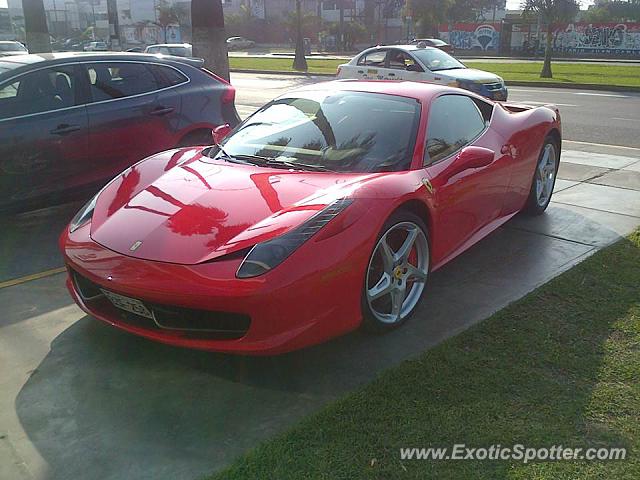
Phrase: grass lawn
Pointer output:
(579, 73)
(559, 367)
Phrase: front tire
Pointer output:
(544, 178)
(396, 274)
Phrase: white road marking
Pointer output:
(600, 94)
(553, 103)
(626, 119)
(600, 144)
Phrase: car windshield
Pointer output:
(436, 59)
(12, 47)
(337, 131)
(178, 51)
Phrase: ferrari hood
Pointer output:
(181, 207)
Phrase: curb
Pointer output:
(278, 72)
(521, 83)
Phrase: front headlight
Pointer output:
(83, 215)
(268, 255)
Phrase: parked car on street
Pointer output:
(96, 47)
(326, 210)
(71, 121)
(421, 63)
(238, 43)
(434, 42)
(8, 48)
(175, 49)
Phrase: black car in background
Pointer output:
(72, 121)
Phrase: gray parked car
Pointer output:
(72, 121)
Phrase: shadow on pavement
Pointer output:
(107, 405)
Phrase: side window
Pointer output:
(454, 121)
(167, 76)
(486, 109)
(373, 59)
(402, 61)
(112, 80)
(37, 92)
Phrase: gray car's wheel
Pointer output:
(544, 178)
(397, 273)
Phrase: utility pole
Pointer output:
(341, 25)
(114, 27)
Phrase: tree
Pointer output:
(35, 25)
(208, 37)
(299, 61)
(614, 11)
(168, 14)
(550, 12)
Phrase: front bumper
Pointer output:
(312, 296)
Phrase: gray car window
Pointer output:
(111, 80)
(454, 121)
(36, 92)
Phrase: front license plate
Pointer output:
(128, 304)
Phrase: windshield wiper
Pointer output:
(446, 68)
(272, 162)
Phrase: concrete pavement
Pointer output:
(79, 399)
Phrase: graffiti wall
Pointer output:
(570, 39)
(618, 39)
(472, 36)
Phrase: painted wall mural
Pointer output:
(471, 36)
(572, 38)
(620, 38)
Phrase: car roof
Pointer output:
(22, 62)
(422, 91)
(170, 45)
(408, 48)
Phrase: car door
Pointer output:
(371, 65)
(402, 65)
(129, 117)
(43, 134)
(469, 192)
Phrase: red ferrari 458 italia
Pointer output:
(325, 210)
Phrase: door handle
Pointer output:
(391, 74)
(64, 128)
(161, 110)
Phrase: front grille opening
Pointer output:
(178, 321)
(85, 287)
(179, 318)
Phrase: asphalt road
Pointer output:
(611, 118)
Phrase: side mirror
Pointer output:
(471, 157)
(414, 68)
(220, 132)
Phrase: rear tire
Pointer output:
(397, 273)
(544, 178)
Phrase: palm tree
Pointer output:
(299, 61)
(35, 25)
(208, 37)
